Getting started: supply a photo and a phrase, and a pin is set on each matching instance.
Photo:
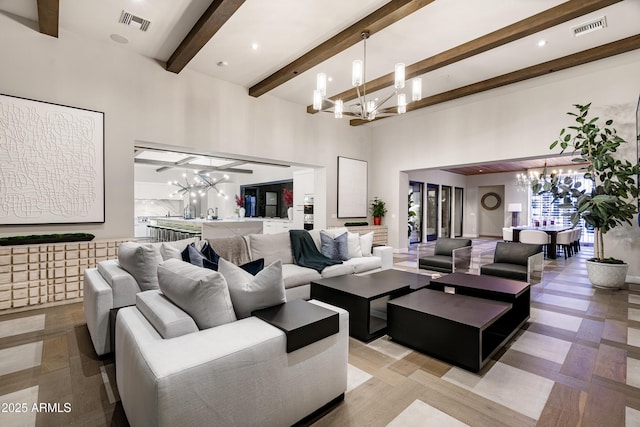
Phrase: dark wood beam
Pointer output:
(388, 14)
(605, 51)
(170, 165)
(209, 23)
(534, 24)
(48, 17)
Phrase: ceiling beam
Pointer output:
(549, 18)
(209, 23)
(610, 49)
(178, 163)
(189, 166)
(383, 17)
(48, 17)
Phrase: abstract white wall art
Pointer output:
(51, 163)
(352, 188)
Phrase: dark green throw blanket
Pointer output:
(305, 252)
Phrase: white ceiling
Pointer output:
(285, 29)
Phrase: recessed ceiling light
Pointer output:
(542, 43)
(330, 79)
(254, 46)
(222, 63)
(119, 39)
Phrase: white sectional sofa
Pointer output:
(110, 286)
(170, 372)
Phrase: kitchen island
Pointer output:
(162, 228)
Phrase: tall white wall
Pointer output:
(142, 101)
(517, 121)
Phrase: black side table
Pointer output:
(302, 322)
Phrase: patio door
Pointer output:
(432, 205)
(414, 214)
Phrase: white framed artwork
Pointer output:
(51, 163)
(352, 188)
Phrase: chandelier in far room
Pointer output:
(201, 184)
(366, 108)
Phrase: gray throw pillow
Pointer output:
(141, 261)
(200, 292)
(335, 248)
(271, 247)
(250, 293)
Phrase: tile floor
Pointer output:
(576, 362)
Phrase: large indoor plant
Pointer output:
(378, 209)
(611, 200)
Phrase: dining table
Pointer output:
(551, 230)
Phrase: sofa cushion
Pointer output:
(353, 243)
(295, 275)
(250, 293)
(201, 292)
(365, 263)
(141, 261)
(441, 263)
(335, 247)
(169, 252)
(515, 253)
(337, 270)
(366, 243)
(315, 235)
(271, 247)
(508, 271)
(167, 318)
(446, 245)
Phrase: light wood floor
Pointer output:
(575, 363)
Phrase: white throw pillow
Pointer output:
(170, 252)
(141, 261)
(271, 247)
(200, 292)
(250, 293)
(366, 242)
(353, 241)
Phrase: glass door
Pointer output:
(414, 214)
(432, 212)
(445, 227)
(458, 203)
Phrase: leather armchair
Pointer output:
(517, 261)
(449, 255)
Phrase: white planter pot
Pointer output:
(607, 276)
(290, 213)
(241, 212)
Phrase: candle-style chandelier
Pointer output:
(366, 109)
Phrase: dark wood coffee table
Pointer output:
(458, 329)
(494, 288)
(356, 294)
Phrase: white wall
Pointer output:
(517, 121)
(142, 101)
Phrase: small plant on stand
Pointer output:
(378, 209)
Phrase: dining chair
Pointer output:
(535, 237)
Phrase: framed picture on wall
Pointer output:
(352, 188)
(51, 163)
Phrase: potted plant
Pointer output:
(240, 211)
(378, 210)
(287, 195)
(611, 200)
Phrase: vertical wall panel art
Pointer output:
(51, 163)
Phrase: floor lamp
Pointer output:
(515, 209)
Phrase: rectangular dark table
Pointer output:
(356, 293)
(494, 288)
(459, 329)
(302, 322)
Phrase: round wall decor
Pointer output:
(491, 201)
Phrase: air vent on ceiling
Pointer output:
(134, 21)
(588, 27)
